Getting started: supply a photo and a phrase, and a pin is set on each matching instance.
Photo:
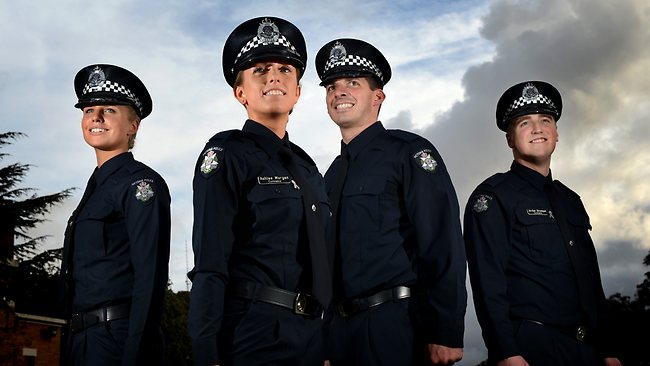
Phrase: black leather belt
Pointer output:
(354, 306)
(300, 303)
(82, 321)
(580, 332)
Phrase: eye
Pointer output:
(109, 110)
(88, 111)
(258, 70)
(354, 82)
(330, 88)
(285, 69)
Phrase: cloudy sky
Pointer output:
(451, 61)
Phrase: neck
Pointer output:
(349, 133)
(542, 168)
(104, 156)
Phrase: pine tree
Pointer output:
(27, 275)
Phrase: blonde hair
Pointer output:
(133, 117)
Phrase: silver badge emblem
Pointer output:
(96, 77)
(481, 204)
(530, 92)
(210, 162)
(425, 160)
(268, 32)
(338, 52)
(143, 191)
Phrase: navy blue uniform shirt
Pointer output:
(248, 225)
(400, 225)
(118, 245)
(518, 263)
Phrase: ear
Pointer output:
(511, 143)
(240, 95)
(298, 90)
(379, 97)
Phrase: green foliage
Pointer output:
(178, 346)
(27, 275)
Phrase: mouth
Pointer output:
(539, 140)
(343, 106)
(97, 130)
(274, 92)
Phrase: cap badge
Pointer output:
(338, 52)
(482, 203)
(143, 191)
(268, 32)
(96, 77)
(530, 92)
(425, 160)
(210, 162)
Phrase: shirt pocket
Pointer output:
(275, 206)
(91, 231)
(361, 205)
(542, 236)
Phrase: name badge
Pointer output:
(273, 179)
(537, 212)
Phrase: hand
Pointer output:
(441, 355)
(327, 363)
(612, 361)
(513, 361)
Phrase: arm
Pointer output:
(486, 240)
(439, 254)
(148, 225)
(215, 207)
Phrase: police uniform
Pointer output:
(400, 264)
(116, 248)
(532, 263)
(252, 299)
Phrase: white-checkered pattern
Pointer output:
(353, 60)
(113, 87)
(521, 101)
(257, 42)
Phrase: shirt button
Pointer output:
(571, 242)
(313, 208)
(277, 190)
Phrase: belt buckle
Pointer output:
(300, 304)
(581, 333)
(340, 308)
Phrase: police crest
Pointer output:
(337, 53)
(143, 191)
(210, 161)
(426, 161)
(482, 203)
(530, 92)
(268, 32)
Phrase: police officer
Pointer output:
(400, 292)
(261, 273)
(532, 263)
(116, 248)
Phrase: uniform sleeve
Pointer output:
(432, 207)
(148, 223)
(486, 239)
(215, 207)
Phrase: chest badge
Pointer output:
(426, 161)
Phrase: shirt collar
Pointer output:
(111, 166)
(531, 176)
(265, 138)
(363, 139)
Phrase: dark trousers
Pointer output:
(101, 344)
(379, 336)
(258, 333)
(543, 345)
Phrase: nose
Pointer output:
(274, 75)
(97, 116)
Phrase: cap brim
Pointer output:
(346, 74)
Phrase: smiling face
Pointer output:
(108, 128)
(268, 90)
(352, 103)
(532, 139)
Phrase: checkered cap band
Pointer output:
(353, 60)
(521, 101)
(113, 87)
(257, 42)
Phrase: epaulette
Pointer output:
(494, 180)
(223, 136)
(404, 135)
(566, 189)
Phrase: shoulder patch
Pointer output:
(211, 160)
(144, 191)
(482, 203)
(424, 159)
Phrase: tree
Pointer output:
(178, 346)
(27, 277)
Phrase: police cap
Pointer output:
(263, 38)
(346, 57)
(102, 84)
(528, 97)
